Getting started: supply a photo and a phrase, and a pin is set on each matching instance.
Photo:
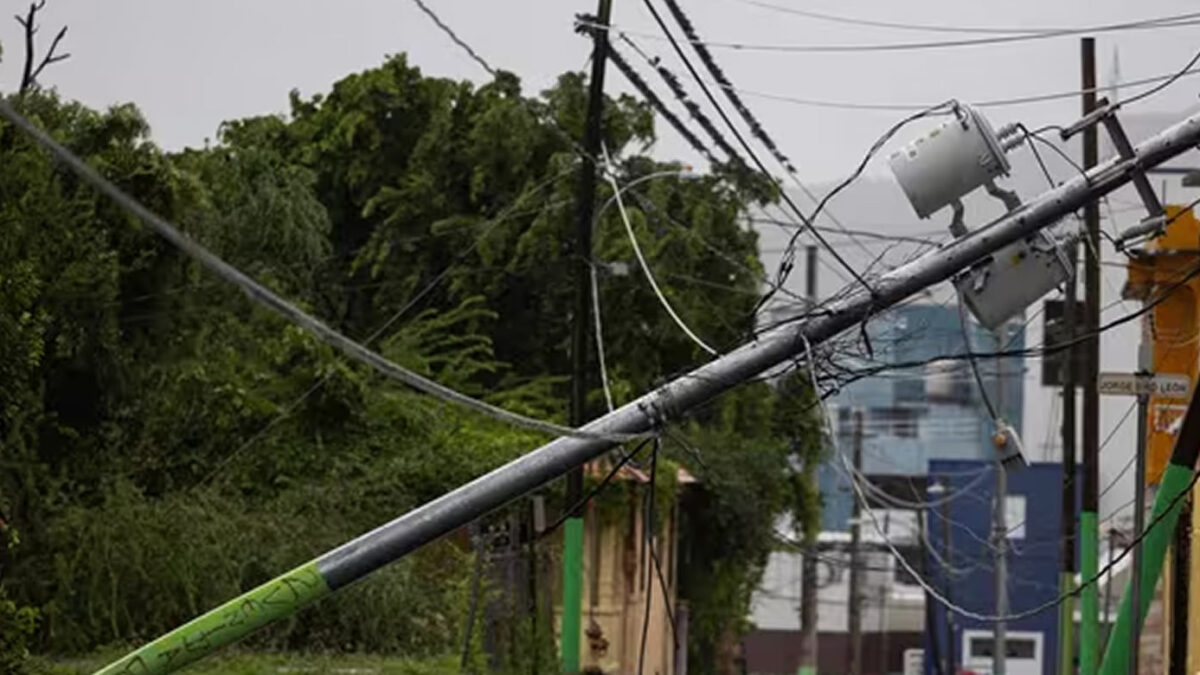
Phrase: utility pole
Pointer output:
(340, 567)
(1145, 366)
(1089, 643)
(808, 569)
(585, 206)
(1000, 525)
(948, 555)
(1066, 648)
(854, 607)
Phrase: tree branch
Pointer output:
(51, 57)
(29, 73)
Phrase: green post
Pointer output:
(572, 593)
(1089, 626)
(1066, 627)
(1154, 549)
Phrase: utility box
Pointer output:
(1002, 285)
(950, 161)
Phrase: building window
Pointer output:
(897, 421)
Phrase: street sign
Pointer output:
(1167, 385)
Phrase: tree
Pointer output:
(182, 437)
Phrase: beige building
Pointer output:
(621, 577)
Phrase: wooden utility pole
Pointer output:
(808, 570)
(1089, 634)
(854, 606)
(1066, 642)
(585, 206)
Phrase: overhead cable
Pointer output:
(637, 250)
(270, 300)
(1183, 21)
(655, 102)
(746, 146)
(928, 28)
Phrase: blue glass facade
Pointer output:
(924, 412)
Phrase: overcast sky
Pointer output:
(189, 65)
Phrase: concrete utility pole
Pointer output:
(391, 541)
(585, 205)
(1000, 525)
(1089, 634)
(808, 569)
(854, 613)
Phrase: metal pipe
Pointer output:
(433, 520)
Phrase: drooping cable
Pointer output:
(637, 250)
(599, 327)
(268, 299)
(488, 227)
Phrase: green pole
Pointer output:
(1066, 627)
(572, 593)
(1176, 481)
(280, 597)
(1154, 549)
(1089, 626)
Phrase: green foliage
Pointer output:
(17, 623)
(166, 445)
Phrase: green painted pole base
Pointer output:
(1066, 626)
(806, 670)
(572, 615)
(280, 597)
(1154, 550)
(1089, 621)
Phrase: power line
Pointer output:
(756, 127)
(637, 250)
(657, 103)
(745, 146)
(710, 63)
(1182, 21)
(693, 109)
(270, 300)
(907, 107)
(929, 28)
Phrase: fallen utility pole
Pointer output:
(286, 594)
(585, 204)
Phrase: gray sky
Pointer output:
(189, 65)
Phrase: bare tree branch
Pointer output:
(51, 57)
(29, 73)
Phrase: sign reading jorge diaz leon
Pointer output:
(1130, 384)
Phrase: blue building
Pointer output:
(960, 563)
(917, 414)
